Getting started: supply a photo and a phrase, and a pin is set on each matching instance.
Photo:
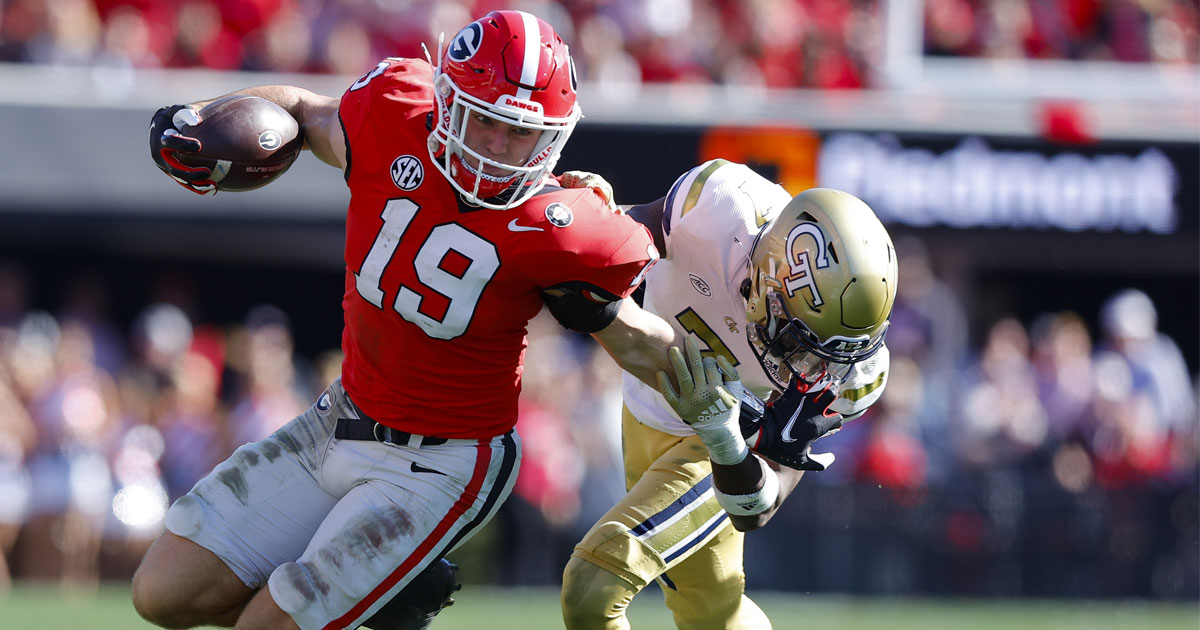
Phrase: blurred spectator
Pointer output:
(161, 334)
(894, 456)
(192, 424)
(17, 438)
(1062, 360)
(269, 397)
(929, 326)
(544, 506)
(928, 323)
(1001, 421)
(1130, 324)
(74, 412)
(85, 301)
(1147, 408)
(203, 41)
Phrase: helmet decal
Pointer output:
(466, 43)
(801, 276)
(531, 58)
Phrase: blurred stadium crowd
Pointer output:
(772, 43)
(102, 425)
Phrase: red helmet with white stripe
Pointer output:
(508, 66)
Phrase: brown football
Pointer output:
(247, 141)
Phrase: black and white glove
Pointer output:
(786, 429)
(166, 141)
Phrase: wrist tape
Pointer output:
(724, 442)
(756, 502)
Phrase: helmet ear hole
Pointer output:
(744, 289)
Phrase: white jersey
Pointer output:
(711, 216)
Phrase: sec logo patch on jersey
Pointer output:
(407, 172)
(559, 214)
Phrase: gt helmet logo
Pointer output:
(270, 140)
(407, 172)
(466, 43)
(801, 276)
(559, 214)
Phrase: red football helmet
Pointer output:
(511, 67)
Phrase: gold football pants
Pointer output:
(668, 527)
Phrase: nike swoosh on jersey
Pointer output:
(512, 225)
(417, 468)
(786, 436)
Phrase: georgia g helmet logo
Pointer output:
(466, 43)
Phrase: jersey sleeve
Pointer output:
(388, 91)
(863, 385)
(718, 196)
(604, 258)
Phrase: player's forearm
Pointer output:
(638, 341)
(316, 113)
(745, 478)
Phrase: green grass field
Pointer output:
(44, 608)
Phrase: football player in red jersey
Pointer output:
(412, 450)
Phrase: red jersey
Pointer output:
(438, 297)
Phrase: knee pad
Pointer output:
(295, 586)
(594, 598)
(184, 517)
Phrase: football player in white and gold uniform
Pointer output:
(788, 294)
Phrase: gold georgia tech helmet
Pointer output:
(821, 287)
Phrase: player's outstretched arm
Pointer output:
(316, 114)
(638, 341)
